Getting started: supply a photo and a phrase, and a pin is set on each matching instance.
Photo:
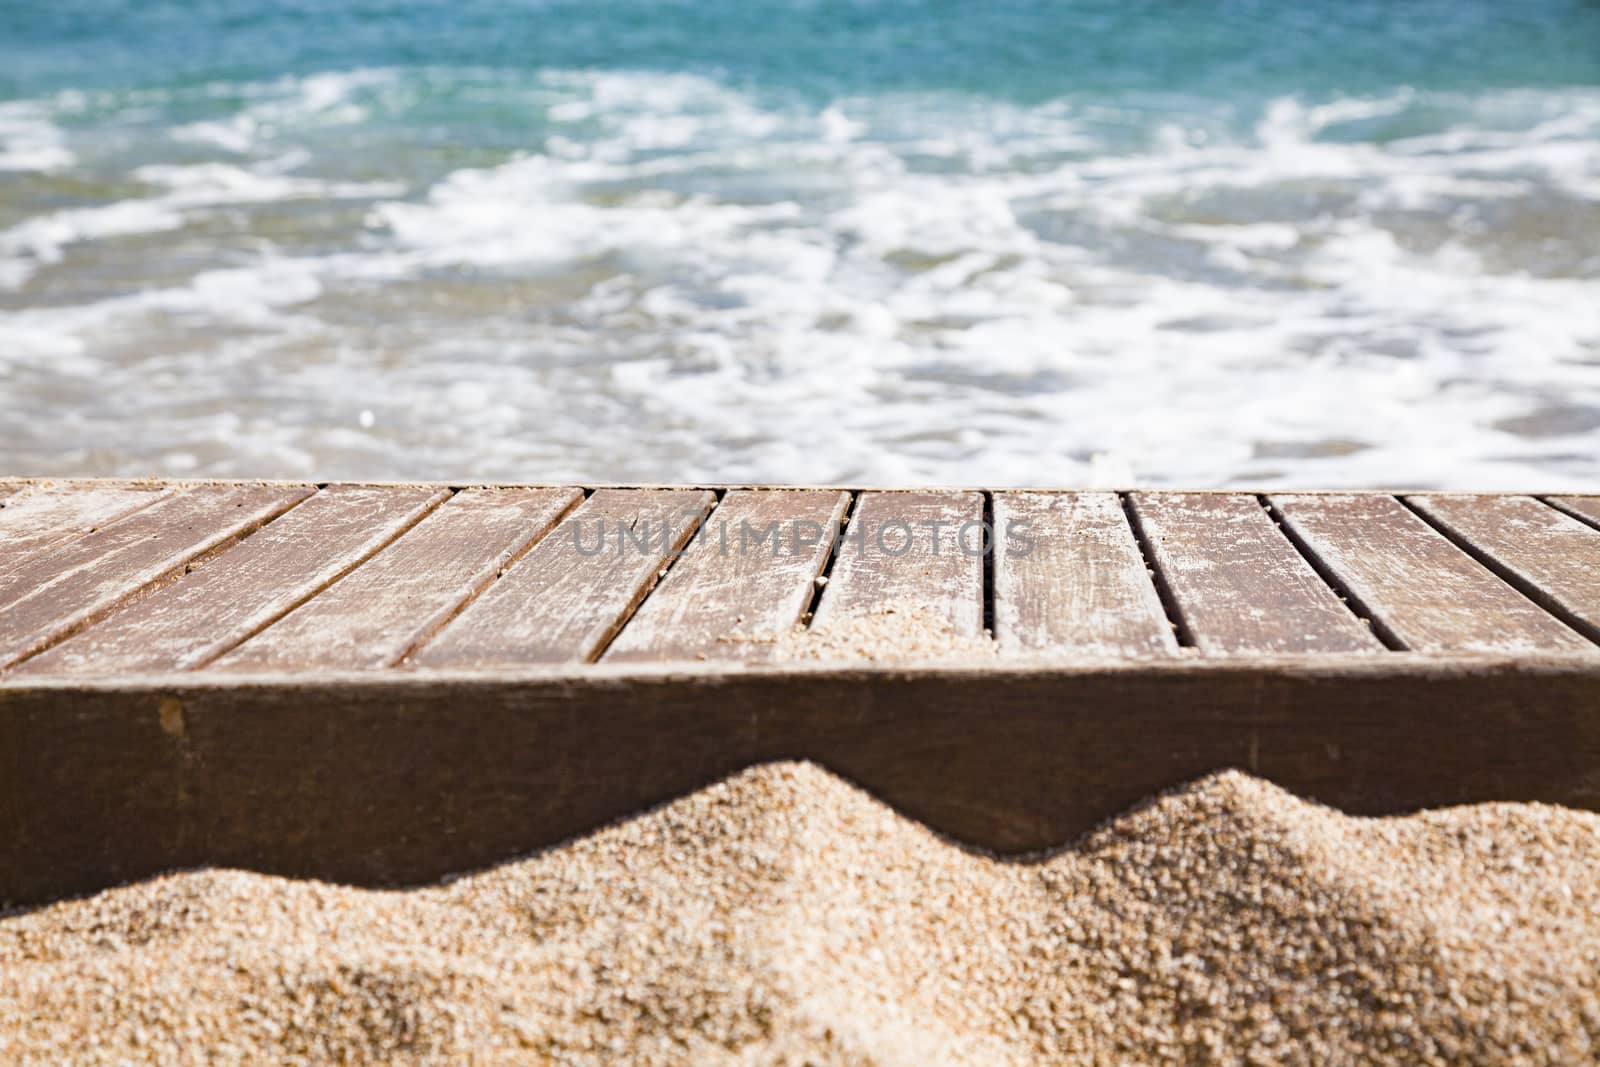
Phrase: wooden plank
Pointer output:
(1426, 593)
(1239, 584)
(1551, 557)
(52, 596)
(742, 583)
(407, 592)
(1586, 508)
(52, 514)
(565, 599)
(219, 604)
(398, 777)
(918, 553)
(1069, 578)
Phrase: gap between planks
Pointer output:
(563, 601)
(1546, 591)
(826, 576)
(1241, 587)
(1432, 594)
(1331, 577)
(989, 591)
(31, 624)
(629, 612)
(1181, 631)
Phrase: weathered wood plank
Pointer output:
(565, 599)
(51, 596)
(1239, 584)
(919, 553)
(1550, 556)
(1424, 591)
(1586, 508)
(407, 592)
(219, 604)
(405, 778)
(742, 583)
(38, 519)
(1069, 578)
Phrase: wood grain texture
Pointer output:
(51, 596)
(919, 552)
(39, 518)
(1587, 508)
(565, 599)
(742, 583)
(399, 778)
(1069, 578)
(219, 604)
(1548, 555)
(407, 592)
(1428, 594)
(1240, 585)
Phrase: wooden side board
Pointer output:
(388, 779)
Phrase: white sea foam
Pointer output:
(29, 141)
(290, 104)
(43, 239)
(209, 184)
(680, 281)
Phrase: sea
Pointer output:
(872, 242)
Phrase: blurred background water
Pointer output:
(1097, 242)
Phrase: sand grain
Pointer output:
(783, 917)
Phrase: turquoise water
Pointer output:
(1024, 51)
(1074, 243)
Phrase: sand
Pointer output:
(893, 633)
(784, 917)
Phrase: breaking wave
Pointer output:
(662, 277)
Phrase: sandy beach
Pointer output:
(785, 917)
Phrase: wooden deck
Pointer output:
(387, 683)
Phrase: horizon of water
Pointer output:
(1077, 243)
